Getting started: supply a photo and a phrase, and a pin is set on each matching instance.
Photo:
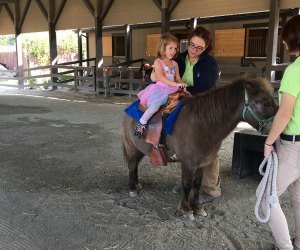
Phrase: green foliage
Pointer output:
(37, 50)
(7, 41)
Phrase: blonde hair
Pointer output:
(164, 41)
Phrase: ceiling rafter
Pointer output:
(10, 14)
(172, 5)
(26, 8)
(59, 11)
(7, 1)
(89, 6)
(157, 3)
(42, 8)
(1, 5)
(106, 8)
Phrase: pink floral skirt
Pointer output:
(155, 95)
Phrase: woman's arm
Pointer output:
(281, 120)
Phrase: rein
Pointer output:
(261, 122)
(268, 187)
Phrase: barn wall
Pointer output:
(76, 15)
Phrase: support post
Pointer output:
(272, 38)
(52, 42)
(128, 35)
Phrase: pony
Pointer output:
(202, 124)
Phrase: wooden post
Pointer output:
(128, 36)
(98, 37)
(272, 38)
(19, 50)
(165, 17)
(194, 23)
(52, 41)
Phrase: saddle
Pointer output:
(155, 124)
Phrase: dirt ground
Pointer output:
(63, 184)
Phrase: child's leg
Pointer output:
(148, 114)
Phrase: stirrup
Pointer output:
(139, 129)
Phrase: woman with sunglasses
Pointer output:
(199, 70)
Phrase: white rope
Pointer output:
(268, 187)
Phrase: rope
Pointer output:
(268, 187)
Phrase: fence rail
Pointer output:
(121, 79)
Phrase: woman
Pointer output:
(286, 130)
(199, 70)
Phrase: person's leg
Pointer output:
(288, 173)
(211, 182)
(142, 124)
(294, 191)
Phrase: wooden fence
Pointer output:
(121, 79)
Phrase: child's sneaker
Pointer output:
(139, 129)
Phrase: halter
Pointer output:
(261, 122)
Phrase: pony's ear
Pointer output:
(250, 76)
(251, 86)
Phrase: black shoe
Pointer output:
(139, 130)
(205, 198)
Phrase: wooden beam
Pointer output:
(7, 1)
(106, 8)
(26, 8)
(1, 5)
(10, 14)
(52, 40)
(157, 3)
(59, 11)
(42, 8)
(90, 7)
(272, 38)
(98, 35)
(172, 5)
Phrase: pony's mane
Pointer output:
(212, 104)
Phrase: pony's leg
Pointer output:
(132, 161)
(184, 207)
(133, 182)
(198, 208)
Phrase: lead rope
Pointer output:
(268, 188)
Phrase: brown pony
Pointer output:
(202, 124)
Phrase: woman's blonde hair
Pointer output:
(164, 41)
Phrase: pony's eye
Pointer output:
(267, 104)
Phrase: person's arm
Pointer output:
(281, 120)
(160, 75)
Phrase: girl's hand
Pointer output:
(268, 150)
(182, 85)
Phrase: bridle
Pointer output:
(261, 121)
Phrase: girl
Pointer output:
(168, 81)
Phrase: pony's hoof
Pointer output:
(200, 212)
(188, 217)
(138, 186)
(133, 193)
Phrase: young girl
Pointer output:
(168, 81)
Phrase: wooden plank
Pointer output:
(152, 42)
(229, 42)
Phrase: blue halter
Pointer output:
(261, 122)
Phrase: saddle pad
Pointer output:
(134, 112)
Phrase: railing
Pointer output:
(107, 80)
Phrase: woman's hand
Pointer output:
(268, 150)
